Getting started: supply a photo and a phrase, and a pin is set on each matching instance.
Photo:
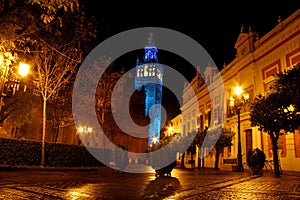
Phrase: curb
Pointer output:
(18, 168)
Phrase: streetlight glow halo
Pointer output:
(23, 69)
(238, 90)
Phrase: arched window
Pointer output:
(151, 71)
(146, 70)
(138, 72)
(141, 72)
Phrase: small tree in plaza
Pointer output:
(168, 145)
(199, 139)
(279, 110)
(218, 138)
(224, 140)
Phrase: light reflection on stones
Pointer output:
(84, 192)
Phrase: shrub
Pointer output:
(256, 160)
(28, 153)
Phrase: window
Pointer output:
(146, 70)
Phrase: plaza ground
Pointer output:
(106, 183)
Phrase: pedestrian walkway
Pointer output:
(106, 183)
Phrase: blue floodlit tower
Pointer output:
(149, 73)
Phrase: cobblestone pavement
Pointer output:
(108, 184)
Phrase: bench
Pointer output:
(229, 161)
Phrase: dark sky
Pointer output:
(212, 24)
(215, 25)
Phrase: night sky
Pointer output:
(214, 25)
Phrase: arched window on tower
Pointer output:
(141, 71)
(146, 70)
(138, 72)
(151, 70)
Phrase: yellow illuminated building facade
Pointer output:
(257, 59)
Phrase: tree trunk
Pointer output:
(13, 132)
(44, 133)
(182, 160)
(202, 157)
(217, 158)
(56, 133)
(199, 163)
(275, 158)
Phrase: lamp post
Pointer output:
(238, 91)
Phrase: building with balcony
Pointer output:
(257, 59)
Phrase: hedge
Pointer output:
(28, 153)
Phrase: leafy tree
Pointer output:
(106, 85)
(199, 139)
(222, 138)
(287, 85)
(105, 106)
(218, 137)
(18, 105)
(183, 144)
(22, 20)
(51, 9)
(279, 110)
(104, 91)
(16, 111)
(192, 148)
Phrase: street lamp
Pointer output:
(241, 101)
(23, 71)
(170, 130)
(85, 130)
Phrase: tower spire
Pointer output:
(242, 28)
(150, 50)
(150, 39)
(150, 75)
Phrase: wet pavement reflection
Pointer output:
(184, 184)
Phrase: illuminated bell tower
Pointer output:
(149, 74)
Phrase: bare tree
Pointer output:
(55, 67)
(41, 29)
